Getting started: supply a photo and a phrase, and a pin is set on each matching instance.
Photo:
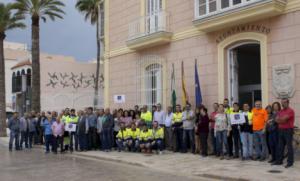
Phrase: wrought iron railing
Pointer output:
(150, 24)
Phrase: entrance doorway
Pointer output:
(244, 73)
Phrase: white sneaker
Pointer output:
(160, 152)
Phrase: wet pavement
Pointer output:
(35, 165)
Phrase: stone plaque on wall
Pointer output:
(283, 80)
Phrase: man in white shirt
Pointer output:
(188, 119)
(168, 129)
(159, 116)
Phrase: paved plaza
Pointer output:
(126, 166)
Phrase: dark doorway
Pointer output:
(246, 73)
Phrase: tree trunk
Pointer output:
(35, 53)
(98, 64)
(2, 88)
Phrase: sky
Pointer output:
(71, 36)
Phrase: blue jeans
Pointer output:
(247, 144)
(178, 138)
(14, 136)
(188, 133)
(158, 145)
(133, 144)
(48, 141)
(30, 138)
(82, 139)
(73, 137)
(106, 138)
(286, 140)
(259, 139)
(24, 138)
(222, 139)
(273, 143)
(121, 144)
(213, 140)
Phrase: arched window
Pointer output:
(150, 80)
(18, 82)
(13, 83)
(28, 81)
(153, 84)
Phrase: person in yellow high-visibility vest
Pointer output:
(145, 139)
(133, 140)
(121, 137)
(72, 119)
(146, 116)
(178, 128)
(158, 137)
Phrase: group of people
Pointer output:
(262, 130)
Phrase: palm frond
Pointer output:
(90, 9)
(42, 9)
(9, 19)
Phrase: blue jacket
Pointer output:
(47, 127)
(32, 125)
(14, 125)
(92, 121)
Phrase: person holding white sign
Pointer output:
(71, 123)
(236, 118)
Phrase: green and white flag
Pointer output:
(173, 92)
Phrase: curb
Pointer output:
(116, 160)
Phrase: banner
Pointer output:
(70, 127)
(237, 118)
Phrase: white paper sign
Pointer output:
(237, 118)
(70, 127)
(119, 99)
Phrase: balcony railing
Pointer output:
(150, 24)
(205, 8)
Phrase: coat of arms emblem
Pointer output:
(283, 81)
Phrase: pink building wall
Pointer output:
(283, 44)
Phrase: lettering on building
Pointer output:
(243, 28)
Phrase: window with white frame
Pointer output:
(207, 7)
(149, 80)
(153, 6)
(153, 84)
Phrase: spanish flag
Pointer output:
(185, 97)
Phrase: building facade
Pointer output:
(65, 82)
(14, 52)
(246, 50)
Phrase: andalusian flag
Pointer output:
(185, 98)
(173, 93)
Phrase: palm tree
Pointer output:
(38, 9)
(8, 21)
(91, 11)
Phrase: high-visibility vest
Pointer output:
(229, 110)
(250, 116)
(177, 117)
(145, 135)
(133, 134)
(147, 116)
(64, 118)
(122, 134)
(158, 133)
(71, 119)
